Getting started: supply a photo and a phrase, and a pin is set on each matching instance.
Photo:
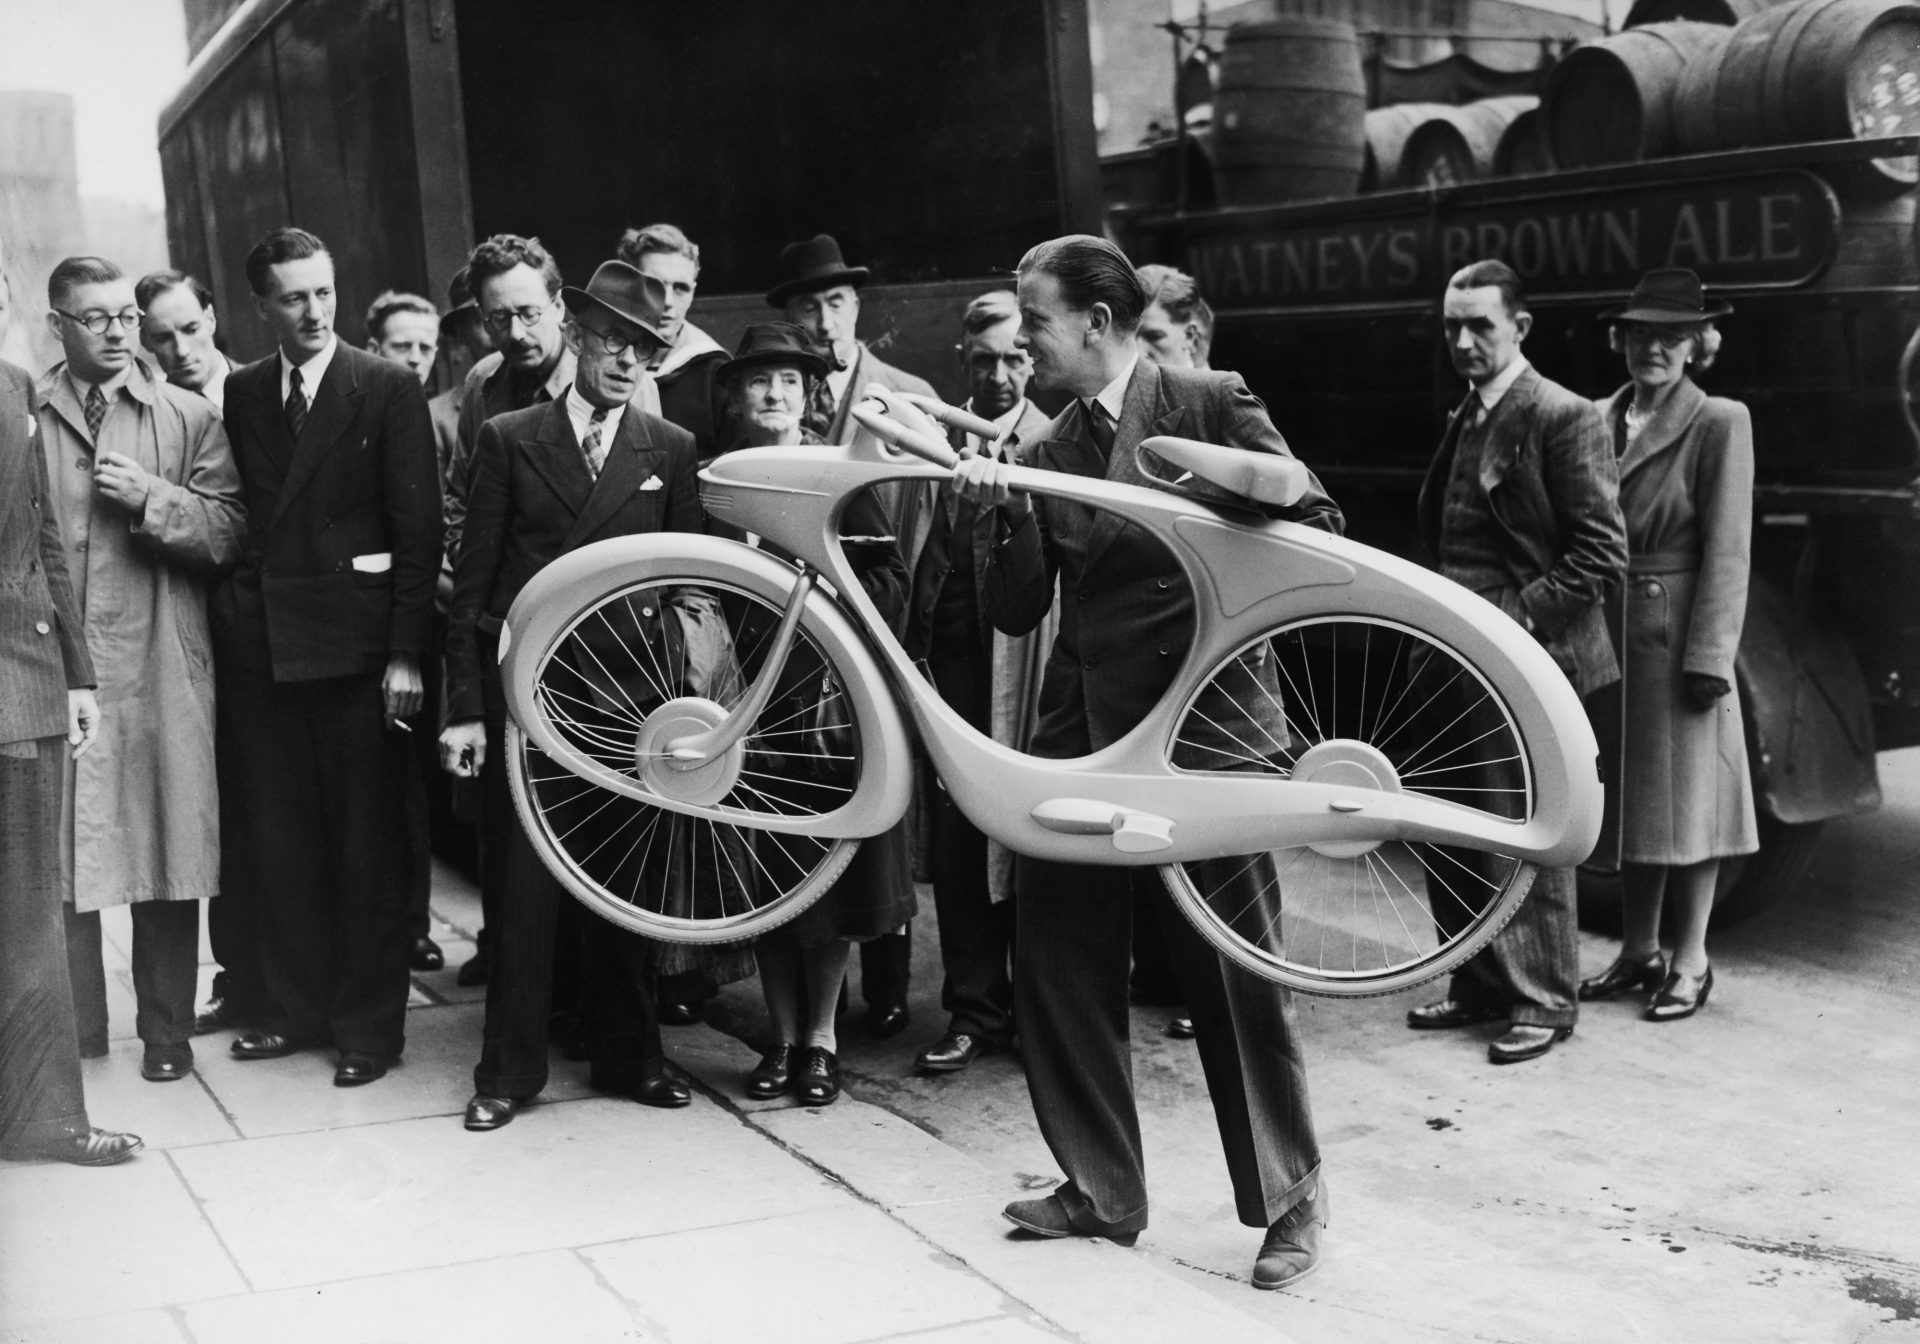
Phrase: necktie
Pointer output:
(590, 446)
(1102, 426)
(96, 413)
(296, 404)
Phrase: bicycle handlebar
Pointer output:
(888, 430)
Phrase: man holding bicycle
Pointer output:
(1126, 618)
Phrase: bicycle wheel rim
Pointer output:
(1372, 703)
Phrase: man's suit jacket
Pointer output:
(1551, 483)
(531, 499)
(950, 516)
(1126, 609)
(43, 653)
(909, 507)
(343, 526)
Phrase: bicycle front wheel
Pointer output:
(1372, 703)
(640, 664)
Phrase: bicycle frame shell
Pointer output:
(1248, 575)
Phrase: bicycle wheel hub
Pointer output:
(703, 782)
(1343, 761)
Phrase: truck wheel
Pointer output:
(1749, 885)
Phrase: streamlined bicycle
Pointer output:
(1347, 788)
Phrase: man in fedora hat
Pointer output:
(1522, 506)
(821, 294)
(546, 480)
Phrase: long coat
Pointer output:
(145, 805)
(1686, 490)
(1550, 483)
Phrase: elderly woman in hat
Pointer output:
(770, 383)
(1686, 489)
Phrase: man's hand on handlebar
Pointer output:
(984, 481)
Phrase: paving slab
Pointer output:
(79, 1241)
(888, 1160)
(999, 1330)
(130, 1327)
(318, 1207)
(839, 1274)
(552, 1295)
(165, 1115)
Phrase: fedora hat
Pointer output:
(459, 298)
(773, 343)
(814, 265)
(619, 289)
(1667, 296)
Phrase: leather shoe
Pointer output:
(1048, 1217)
(264, 1045)
(474, 971)
(426, 955)
(817, 1081)
(357, 1068)
(166, 1064)
(485, 1112)
(662, 1089)
(1291, 1250)
(773, 1075)
(1451, 1013)
(1523, 1042)
(1680, 996)
(679, 1014)
(952, 1052)
(1181, 1028)
(223, 1014)
(95, 1148)
(1624, 974)
(889, 1021)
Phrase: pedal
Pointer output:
(1132, 832)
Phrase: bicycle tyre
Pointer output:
(1435, 717)
(603, 685)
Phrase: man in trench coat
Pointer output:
(150, 513)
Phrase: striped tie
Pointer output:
(296, 404)
(590, 446)
(96, 413)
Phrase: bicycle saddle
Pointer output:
(1265, 478)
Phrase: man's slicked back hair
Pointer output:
(1496, 275)
(395, 301)
(1091, 270)
(155, 283)
(989, 311)
(502, 252)
(74, 272)
(282, 245)
(637, 243)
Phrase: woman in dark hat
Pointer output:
(769, 384)
(1686, 489)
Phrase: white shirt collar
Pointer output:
(311, 372)
(216, 389)
(1113, 397)
(838, 379)
(1496, 387)
(108, 389)
(580, 413)
(1004, 423)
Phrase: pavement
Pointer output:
(1746, 1176)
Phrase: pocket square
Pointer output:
(653, 483)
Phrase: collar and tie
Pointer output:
(1100, 424)
(96, 412)
(591, 447)
(296, 404)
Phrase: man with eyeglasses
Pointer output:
(319, 638)
(149, 503)
(177, 327)
(546, 480)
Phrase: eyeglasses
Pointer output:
(1668, 338)
(617, 343)
(97, 323)
(500, 320)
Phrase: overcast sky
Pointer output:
(121, 60)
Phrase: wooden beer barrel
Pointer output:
(1523, 147)
(1695, 126)
(1289, 112)
(1812, 70)
(1611, 101)
(1459, 144)
(1387, 130)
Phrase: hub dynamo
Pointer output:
(1347, 762)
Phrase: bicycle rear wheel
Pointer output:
(667, 657)
(1375, 704)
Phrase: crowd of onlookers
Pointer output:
(250, 612)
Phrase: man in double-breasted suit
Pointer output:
(1522, 506)
(318, 639)
(547, 480)
(1126, 617)
(991, 680)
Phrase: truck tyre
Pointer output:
(1750, 884)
